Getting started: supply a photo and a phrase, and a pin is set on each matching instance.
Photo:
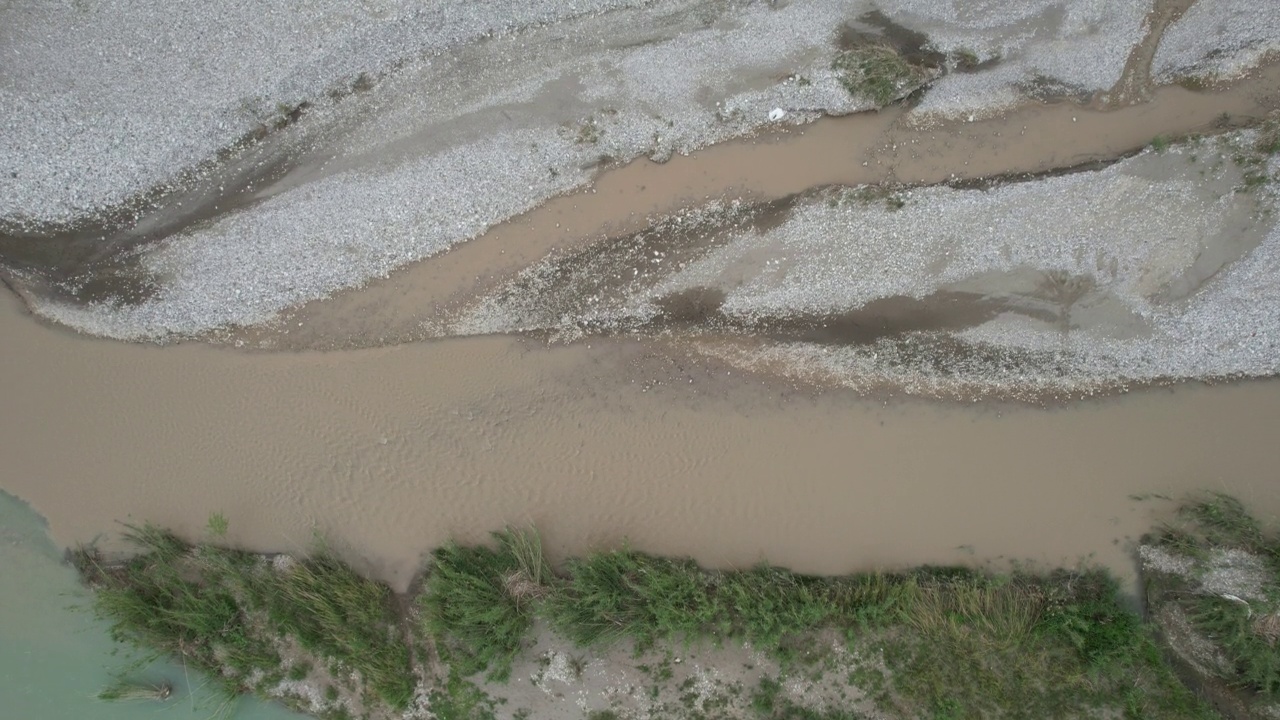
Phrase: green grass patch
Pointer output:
(877, 71)
(769, 702)
(938, 642)
(181, 600)
(334, 612)
(219, 611)
(460, 699)
(628, 594)
(1254, 159)
(1215, 521)
(1247, 636)
(766, 604)
(1222, 521)
(625, 593)
(1269, 138)
(966, 60)
(123, 690)
(479, 601)
(1026, 646)
(957, 643)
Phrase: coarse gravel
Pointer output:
(101, 100)
(452, 145)
(1030, 45)
(1218, 40)
(1159, 267)
(428, 125)
(481, 111)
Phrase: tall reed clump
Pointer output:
(178, 599)
(624, 593)
(478, 602)
(954, 642)
(627, 594)
(934, 642)
(222, 610)
(334, 612)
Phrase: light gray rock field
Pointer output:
(172, 169)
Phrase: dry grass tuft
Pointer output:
(1267, 627)
(523, 588)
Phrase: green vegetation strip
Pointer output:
(933, 643)
(955, 643)
(225, 611)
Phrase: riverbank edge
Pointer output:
(936, 642)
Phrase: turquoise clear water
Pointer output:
(55, 656)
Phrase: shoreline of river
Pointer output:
(624, 634)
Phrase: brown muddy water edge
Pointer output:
(396, 449)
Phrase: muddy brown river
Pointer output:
(394, 443)
(388, 452)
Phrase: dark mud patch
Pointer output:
(914, 47)
(573, 289)
(99, 258)
(908, 337)
(890, 317)
(968, 63)
(991, 181)
(699, 309)
(95, 258)
(1046, 89)
(933, 365)
(594, 290)
(129, 284)
(695, 306)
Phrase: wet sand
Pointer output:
(390, 451)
